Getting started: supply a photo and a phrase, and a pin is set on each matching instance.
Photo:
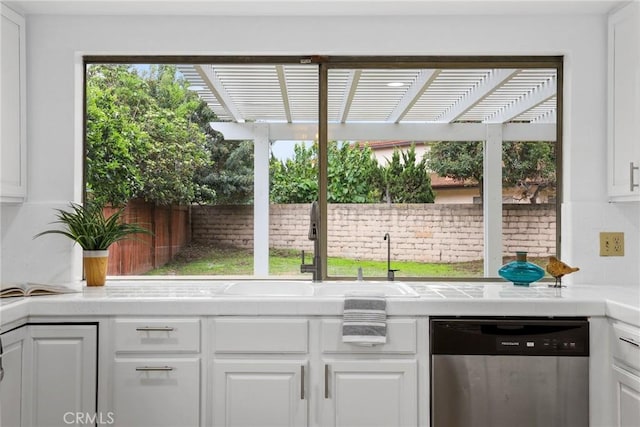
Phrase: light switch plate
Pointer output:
(611, 244)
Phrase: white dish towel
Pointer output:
(364, 319)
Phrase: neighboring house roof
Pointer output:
(438, 181)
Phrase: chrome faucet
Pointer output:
(314, 232)
(390, 272)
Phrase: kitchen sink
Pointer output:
(388, 289)
(268, 288)
(324, 289)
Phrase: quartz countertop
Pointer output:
(194, 297)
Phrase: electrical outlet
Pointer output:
(611, 244)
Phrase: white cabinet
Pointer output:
(13, 108)
(157, 372)
(370, 386)
(60, 371)
(624, 104)
(627, 398)
(260, 372)
(297, 372)
(156, 392)
(370, 393)
(13, 344)
(260, 392)
(625, 369)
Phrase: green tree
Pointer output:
(295, 180)
(147, 136)
(172, 159)
(406, 180)
(177, 151)
(353, 175)
(527, 165)
(530, 166)
(229, 179)
(116, 141)
(458, 160)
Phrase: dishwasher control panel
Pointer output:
(506, 336)
(532, 345)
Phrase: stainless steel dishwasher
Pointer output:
(511, 372)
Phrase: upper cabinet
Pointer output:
(624, 104)
(13, 151)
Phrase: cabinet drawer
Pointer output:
(626, 344)
(157, 335)
(401, 338)
(260, 335)
(156, 392)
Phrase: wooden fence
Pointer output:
(171, 231)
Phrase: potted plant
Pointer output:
(88, 227)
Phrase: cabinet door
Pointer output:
(370, 393)
(13, 110)
(11, 383)
(265, 393)
(627, 398)
(61, 368)
(156, 392)
(624, 103)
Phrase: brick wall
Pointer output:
(419, 232)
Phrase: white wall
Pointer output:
(55, 45)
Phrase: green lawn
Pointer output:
(207, 260)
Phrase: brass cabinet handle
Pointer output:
(154, 368)
(632, 183)
(326, 381)
(301, 382)
(155, 329)
(630, 341)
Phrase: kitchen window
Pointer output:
(435, 167)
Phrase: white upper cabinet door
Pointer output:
(257, 392)
(13, 108)
(624, 104)
(370, 393)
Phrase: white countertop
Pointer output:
(193, 297)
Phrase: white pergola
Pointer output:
(271, 102)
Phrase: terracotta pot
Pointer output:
(95, 267)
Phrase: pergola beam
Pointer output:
(282, 80)
(349, 93)
(413, 94)
(494, 80)
(535, 97)
(217, 89)
(548, 117)
(390, 131)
